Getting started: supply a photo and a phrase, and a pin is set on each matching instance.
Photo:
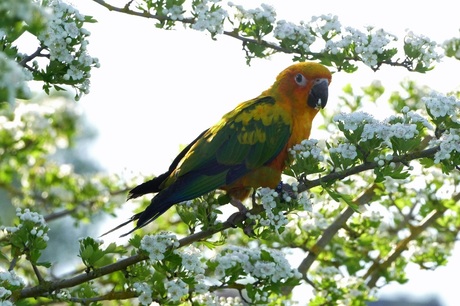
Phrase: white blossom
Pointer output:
(11, 278)
(145, 296)
(439, 106)
(207, 19)
(426, 46)
(176, 289)
(13, 78)
(307, 148)
(449, 143)
(156, 245)
(4, 293)
(347, 150)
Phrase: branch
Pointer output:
(406, 63)
(126, 10)
(334, 176)
(28, 58)
(330, 232)
(82, 205)
(122, 264)
(48, 287)
(374, 271)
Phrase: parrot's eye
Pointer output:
(300, 79)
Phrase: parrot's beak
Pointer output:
(318, 94)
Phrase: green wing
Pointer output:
(246, 138)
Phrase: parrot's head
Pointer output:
(305, 83)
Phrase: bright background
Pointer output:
(159, 89)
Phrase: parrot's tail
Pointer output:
(133, 218)
(151, 186)
(157, 207)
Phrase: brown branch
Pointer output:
(66, 212)
(126, 10)
(49, 287)
(122, 264)
(375, 270)
(329, 233)
(28, 58)
(234, 34)
(334, 176)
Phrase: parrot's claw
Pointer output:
(239, 217)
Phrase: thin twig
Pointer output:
(235, 34)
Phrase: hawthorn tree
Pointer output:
(374, 197)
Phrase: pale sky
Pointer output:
(157, 90)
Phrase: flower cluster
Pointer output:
(333, 287)
(307, 156)
(441, 106)
(370, 46)
(347, 150)
(449, 145)
(209, 16)
(416, 118)
(307, 148)
(304, 199)
(63, 58)
(9, 281)
(422, 48)
(176, 289)
(294, 36)
(211, 299)
(175, 12)
(13, 79)
(145, 293)
(66, 40)
(263, 270)
(265, 11)
(365, 127)
(353, 121)
(191, 260)
(32, 221)
(273, 217)
(326, 25)
(157, 245)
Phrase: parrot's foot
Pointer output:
(239, 217)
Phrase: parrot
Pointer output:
(246, 149)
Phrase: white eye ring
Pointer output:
(300, 79)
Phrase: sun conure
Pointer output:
(246, 149)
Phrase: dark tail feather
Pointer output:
(153, 211)
(148, 215)
(151, 186)
(133, 218)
